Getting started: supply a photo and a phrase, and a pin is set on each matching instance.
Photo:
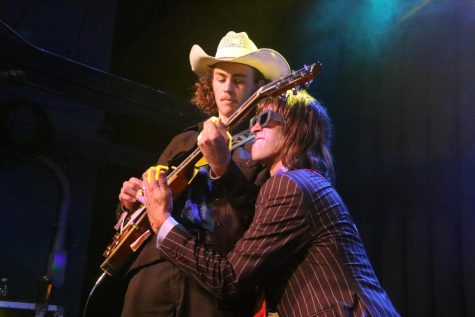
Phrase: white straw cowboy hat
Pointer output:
(238, 48)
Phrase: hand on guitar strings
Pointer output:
(213, 142)
(158, 198)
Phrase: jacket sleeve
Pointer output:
(278, 232)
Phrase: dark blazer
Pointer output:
(233, 198)
(302, 245)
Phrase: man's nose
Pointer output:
(255, 128)
(228, 86)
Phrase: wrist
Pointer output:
(218, 171)
(157, 223)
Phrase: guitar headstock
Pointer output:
(302, 76)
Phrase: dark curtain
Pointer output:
(402, 101)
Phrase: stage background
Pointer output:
(399, 86)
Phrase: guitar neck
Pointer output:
(242, 111)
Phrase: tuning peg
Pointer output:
(307, 84)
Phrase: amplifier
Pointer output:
(26, 309)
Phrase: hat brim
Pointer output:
(270, 63)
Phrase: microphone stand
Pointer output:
(58, 256)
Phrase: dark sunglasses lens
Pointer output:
(263, 119)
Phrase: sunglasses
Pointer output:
(265, 117)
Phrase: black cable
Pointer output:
(9, 28)
(81, 27)
(99, 281)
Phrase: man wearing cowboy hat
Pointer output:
(219, 205)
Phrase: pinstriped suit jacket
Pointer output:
(302, 246)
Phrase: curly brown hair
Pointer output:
(203, 95)
(307, 132)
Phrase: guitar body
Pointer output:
(121, 250)
(127, 242)
(138, 230)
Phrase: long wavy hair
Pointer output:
(203, 95)
(307, 132)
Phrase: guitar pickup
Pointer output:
(140, 240)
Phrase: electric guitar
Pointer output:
(137, 230)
